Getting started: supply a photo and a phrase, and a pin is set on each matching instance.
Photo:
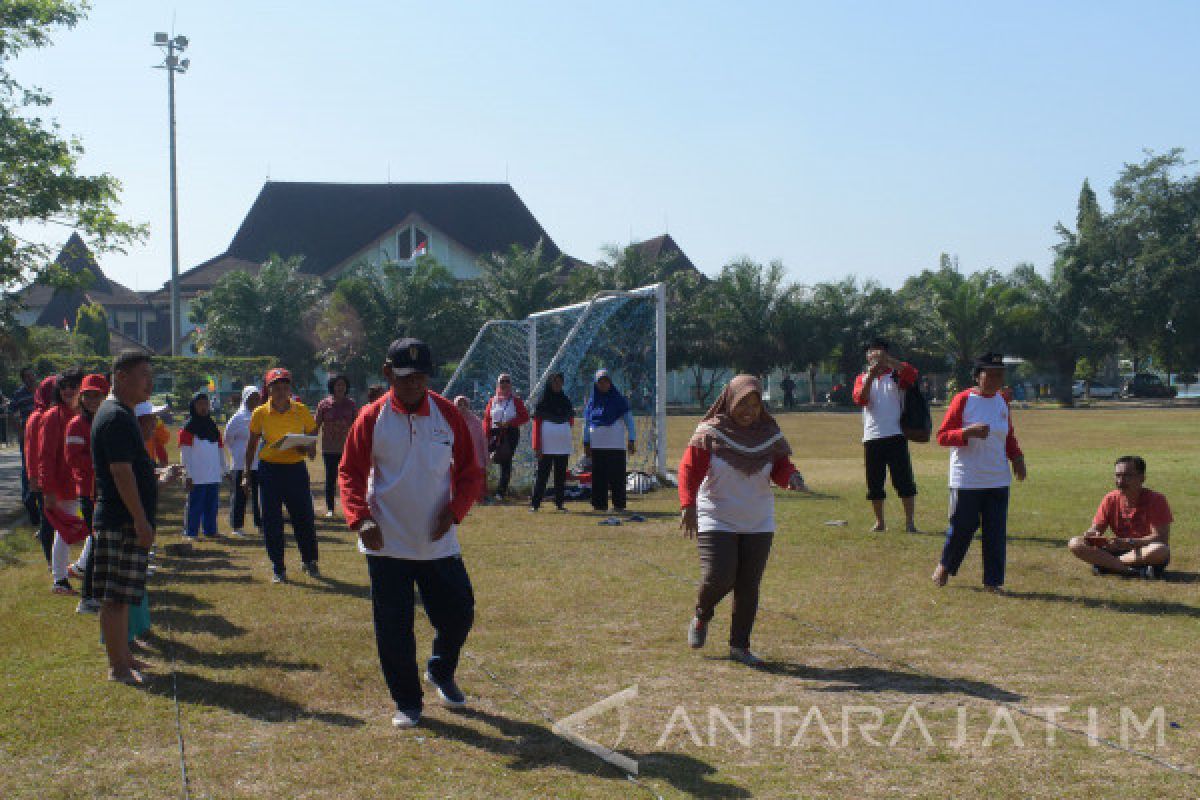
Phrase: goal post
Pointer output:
(623, 331)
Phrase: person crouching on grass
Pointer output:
(1140, 520)
(725, 481)
(408, 477)
(978, 428)
(282, 474)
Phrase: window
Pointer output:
(411, 242)
(130, 329)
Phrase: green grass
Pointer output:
(280, 693)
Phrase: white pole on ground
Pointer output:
(660, 376)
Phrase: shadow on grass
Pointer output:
(1149, 607)
(184, 621)
(875, 679)
(249, 701)
(187, 654)
(532, 746)
(328, 585)
(162, 599)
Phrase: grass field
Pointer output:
(280, 695)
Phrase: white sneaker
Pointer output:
(238, 534)
(697, 633)
(744, 656)
(328, 514)
(409, 718)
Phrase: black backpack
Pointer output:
(915, 419)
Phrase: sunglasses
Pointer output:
(506, 381)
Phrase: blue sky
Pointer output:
(842, 138)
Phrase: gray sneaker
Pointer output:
(697, 633)
(406, 718)
(279, 577)
(744, 656)
(310, 569)
(88, 605)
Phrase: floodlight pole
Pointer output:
(172, 64)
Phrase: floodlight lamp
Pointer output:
(160, 38)
(181, 42)
(183, 65)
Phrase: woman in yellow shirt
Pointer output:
(282, 473)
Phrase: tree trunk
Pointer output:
(1064, 378)
(812, 384)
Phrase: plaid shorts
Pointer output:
(120, 571)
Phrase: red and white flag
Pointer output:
(66, 325)
(421, 249)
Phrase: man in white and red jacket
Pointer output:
(880, 392)
(408, 476)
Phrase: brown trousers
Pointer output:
(732, 562)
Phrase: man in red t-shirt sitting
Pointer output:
(1140, 520)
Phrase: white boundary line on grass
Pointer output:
(955, 682)
(183, 771)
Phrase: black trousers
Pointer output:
(237, 505)
(889, 455)
(88, 506)
(514, 439)
(45, 531)
(545, 463)
(449, 603)
(331, 476)
(31, 500)
(287, 485)
(608, 477)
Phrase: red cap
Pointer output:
(277, 374)
(94, 383)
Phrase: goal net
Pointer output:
(621, 331)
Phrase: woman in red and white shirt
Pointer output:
(503, 417)
(978, 428)
(725, 479)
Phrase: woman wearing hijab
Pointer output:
(725, 495)
(608, 434)
(503, 417)
(237, 435)
(43, 399)
(553, 418)
(335, 415)
(78, 454)
(54, 476)
(478, 438)
(202, 451)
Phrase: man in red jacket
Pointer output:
(408, 476)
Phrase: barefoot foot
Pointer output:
(128, 677)
(940, 576)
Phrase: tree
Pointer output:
(370, 307)
(39, 169)
(948, 318)
(626, 267)
(750, 299)
(1154, 230)
(692, 333)
(267, 314)
(851, 316)
(91, 329)
(516, 283)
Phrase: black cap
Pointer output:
(990, 361)
(408, 355)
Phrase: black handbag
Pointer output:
(915, 420)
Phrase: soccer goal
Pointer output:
(624, 332)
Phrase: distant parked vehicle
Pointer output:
(1147, 384)
(1097, 390)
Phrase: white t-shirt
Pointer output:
(982, 463)
(731, 501)
(503, 410)
(881, 414)
(556, 438)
